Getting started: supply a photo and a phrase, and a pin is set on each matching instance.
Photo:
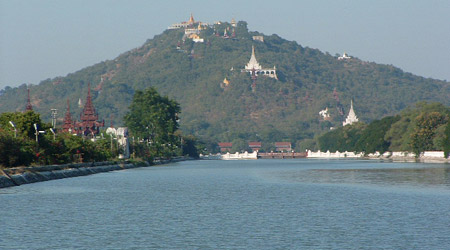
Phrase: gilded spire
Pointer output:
(226, 82)
(233, 22)
(191, 20)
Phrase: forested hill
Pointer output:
(193, 73)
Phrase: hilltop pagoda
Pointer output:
(89, 124)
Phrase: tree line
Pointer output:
(425, 127)
(152, 122)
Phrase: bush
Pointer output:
(15, 151)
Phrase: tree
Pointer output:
(426, 125)
(446, 143)
(306, 144)
(153, 117)
(342, 139)
(189, 146)
(239, 145)
(372, 138)
(15, 151)
(24, 122)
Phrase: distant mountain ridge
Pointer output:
(221, 103)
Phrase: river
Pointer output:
(255, 204)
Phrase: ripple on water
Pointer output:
(264, 204)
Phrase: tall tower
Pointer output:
(28, 107)
(68, 125)
(89, 123)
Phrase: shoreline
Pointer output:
(11, 177)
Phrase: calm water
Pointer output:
(263, 204)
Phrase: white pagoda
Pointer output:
(254, 66)
(351, 118)
(344, 57)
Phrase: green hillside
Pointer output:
(276, 110)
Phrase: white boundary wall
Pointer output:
(394, 155)
(239, 156)
(336, 154)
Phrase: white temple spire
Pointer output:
(253, 63)
(351, 118)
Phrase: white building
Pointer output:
(324, 114)
(121, 135)
(254, 66)
(258, 38)
(344, 57)
(351, 118)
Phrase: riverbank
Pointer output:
(25, 175)
(425, 157)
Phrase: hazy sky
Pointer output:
(42, 39)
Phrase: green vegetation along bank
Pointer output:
(26, 140)
(425, 127)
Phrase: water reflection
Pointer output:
(419, 177)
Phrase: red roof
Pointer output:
(225, 144)
(254, 144)
(282, 144)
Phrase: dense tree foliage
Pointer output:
(342, 139)
(23, 122)
(423, 128)
(153, 118)
(446, 137)
(372, 138)
(276, 110)
(15, 151)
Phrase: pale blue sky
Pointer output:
(42, 39)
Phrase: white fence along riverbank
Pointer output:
(427, 156)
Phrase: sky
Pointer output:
(41, 39)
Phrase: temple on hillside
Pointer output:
(28, 107)
(89, 124)
(225, 83)
(233, 22)
(325, 115)
(351, 118)
(196, 38)
(255, 69)
(344, 57)
(182, 24)
(189, 26)
(69, 124)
